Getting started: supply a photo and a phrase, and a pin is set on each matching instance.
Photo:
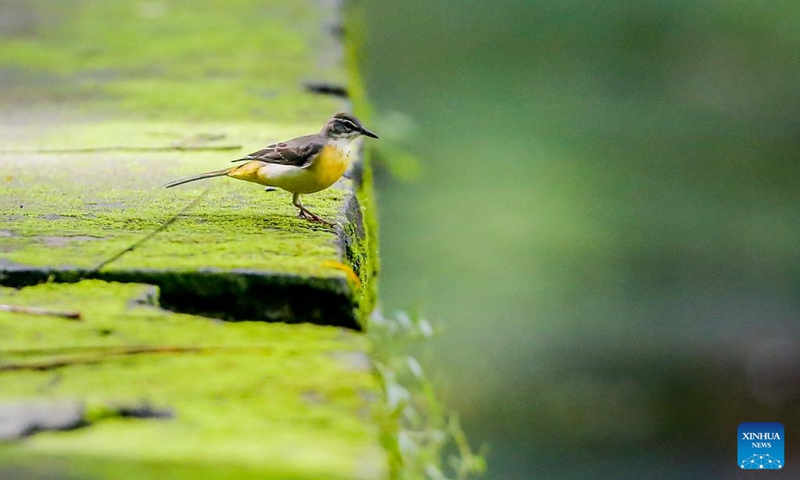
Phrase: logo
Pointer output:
(761, 446)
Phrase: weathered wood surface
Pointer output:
(101, 103)
(139, 389)
(89, 114)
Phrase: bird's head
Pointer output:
(344, 125)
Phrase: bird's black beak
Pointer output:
(366, 132)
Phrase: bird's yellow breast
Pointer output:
(329, 166)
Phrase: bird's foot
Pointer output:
(311, 217)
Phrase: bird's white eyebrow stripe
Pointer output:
(352, 125)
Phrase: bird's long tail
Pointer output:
(202, 176)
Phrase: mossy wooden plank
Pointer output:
(86, 96)
(243, 399)
(184, 60)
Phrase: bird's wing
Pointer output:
(297, 152)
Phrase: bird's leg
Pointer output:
(306, 213)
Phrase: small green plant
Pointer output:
(425, 441)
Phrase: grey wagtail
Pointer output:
(301, 165)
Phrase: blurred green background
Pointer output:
(605, 228)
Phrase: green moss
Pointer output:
(251, 400)
(147, 57)
(149, 81)
(79, 210)
(268, 399)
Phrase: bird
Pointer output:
(302, 165)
